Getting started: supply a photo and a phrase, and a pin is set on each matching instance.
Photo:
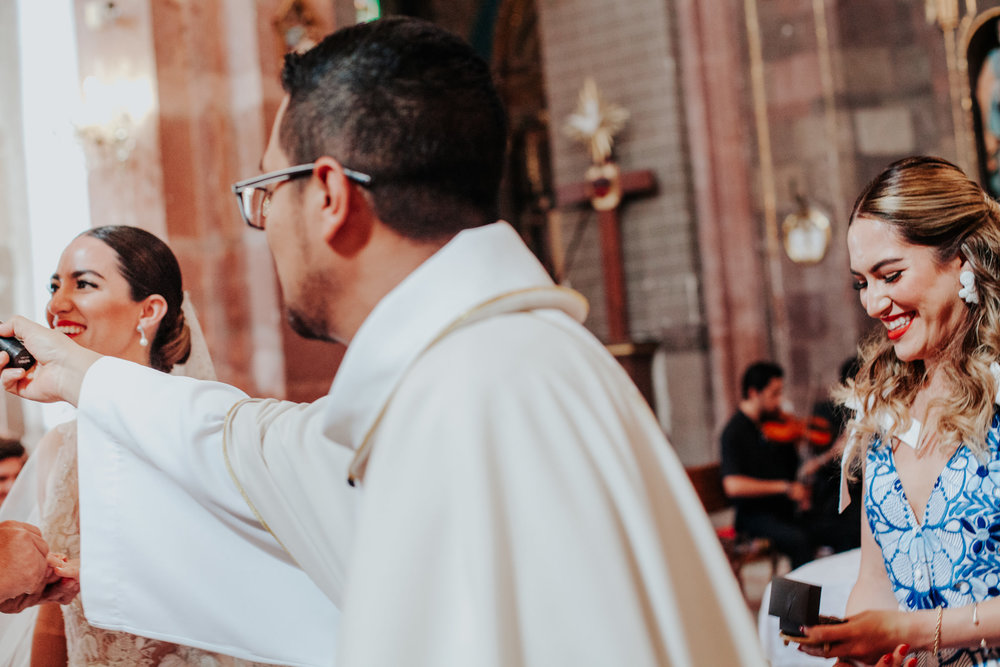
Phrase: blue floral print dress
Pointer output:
(953, 558)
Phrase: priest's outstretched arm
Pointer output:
(173, 546)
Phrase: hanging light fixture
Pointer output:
(806, 233)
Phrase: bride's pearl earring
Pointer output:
(142, 336)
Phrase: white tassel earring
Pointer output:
(142, 336)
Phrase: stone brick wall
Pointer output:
(630, 49)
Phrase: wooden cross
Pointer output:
(633, 183)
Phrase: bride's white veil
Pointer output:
(199, 362)
(22, 503)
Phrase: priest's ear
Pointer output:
(152, 310)
(344, 212)
(336, 193)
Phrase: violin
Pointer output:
(787, 429)
(783, 429)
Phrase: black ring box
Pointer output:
(795, 603)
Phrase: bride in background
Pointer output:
(117, 291)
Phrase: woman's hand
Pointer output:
(59, 368)
(866, 637)
(23, 565)
(897, 658)
(65, 567)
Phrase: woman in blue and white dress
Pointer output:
(924, 245)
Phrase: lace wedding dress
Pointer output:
(86, 645)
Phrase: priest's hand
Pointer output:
(67, 583)
(60, 591)
(60, 584)
(897, 658)
(24, 566)
(60, 363)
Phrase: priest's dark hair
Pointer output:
(150, 267)
(411, 105)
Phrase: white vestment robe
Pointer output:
(514, 501)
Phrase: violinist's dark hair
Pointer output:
(758, 375)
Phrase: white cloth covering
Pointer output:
(28, 495)
(169, 548)
(515, 502)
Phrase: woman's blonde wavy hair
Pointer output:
(930, 202)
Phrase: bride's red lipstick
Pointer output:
(62, 325)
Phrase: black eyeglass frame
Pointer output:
(241, 188)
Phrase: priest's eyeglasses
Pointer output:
(253, 196)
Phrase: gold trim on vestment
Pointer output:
(232, 473)
(360, 461)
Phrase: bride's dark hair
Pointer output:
(150, 267)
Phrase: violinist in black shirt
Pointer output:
(760, 475)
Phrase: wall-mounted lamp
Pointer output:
(806, 233)
(110, 115)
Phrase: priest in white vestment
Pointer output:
(483, 485)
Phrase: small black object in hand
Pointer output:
(795, 603)
(19, 357)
